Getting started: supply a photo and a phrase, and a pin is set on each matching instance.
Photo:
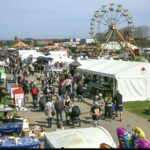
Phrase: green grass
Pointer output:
(138, 108)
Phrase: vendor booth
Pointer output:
(12, 88)
(79, 138)
(19, 97)
(132, 79)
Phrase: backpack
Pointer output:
(34, 91)
(75, 111)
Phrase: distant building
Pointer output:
(45, 42)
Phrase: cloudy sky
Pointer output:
(59, 18)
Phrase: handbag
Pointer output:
(53, 112)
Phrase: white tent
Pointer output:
(83, 62)
(79, 138)
(133, 78)
(24, 54)
(59, 53)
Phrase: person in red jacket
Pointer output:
(34, 92)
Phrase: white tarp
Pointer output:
(79, 138)
(133, 78)
(60, 53)
(24, 54)
(85, 62)
(116, 46)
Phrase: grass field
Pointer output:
(138, 107)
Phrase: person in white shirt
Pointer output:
(49, 108)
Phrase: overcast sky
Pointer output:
(59, 18)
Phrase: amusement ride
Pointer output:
(112, 24)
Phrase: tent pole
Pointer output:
(98, 84)
(114, 86)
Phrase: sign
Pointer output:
(13, 88)
(19, 98)
(143, 70)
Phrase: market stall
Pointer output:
(132, 79)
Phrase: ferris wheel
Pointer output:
(112, 23)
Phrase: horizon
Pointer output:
(60, 19)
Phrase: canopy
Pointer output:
(79, 138)
(62, 59)
(20, 44)
(27, 53)
(83, 62)
(133, 78)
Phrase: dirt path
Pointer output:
(130, 120)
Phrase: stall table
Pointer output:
(11, 127)
(23, 142)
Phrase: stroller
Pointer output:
(74, 116)
(42, 102)
(110, 111)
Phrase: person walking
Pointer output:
(72, 92)
(62, 91)
(96, 112)
(59, 107)
(117, 100)
(108, 105)
(34, 92)
(67, 106)
(100, 102)
(80, 91)
(49, 108)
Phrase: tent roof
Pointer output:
(20, 44)
(62, 59)
(116, 68)
(84, 62)
(79, 138)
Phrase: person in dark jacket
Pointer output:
(62, 91)
(80, 91)
(59, 107)
(117, 100)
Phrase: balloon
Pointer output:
(139, 133)
(125, 138)
(142, 143)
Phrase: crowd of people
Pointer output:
(59, 91)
